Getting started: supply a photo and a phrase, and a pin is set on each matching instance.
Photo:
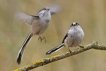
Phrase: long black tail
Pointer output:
(55, 49)
(20, 53)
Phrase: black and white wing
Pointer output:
(65, 37)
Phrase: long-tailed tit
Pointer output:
(73, 38)
(38, 24)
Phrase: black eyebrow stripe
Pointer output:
(42, 9)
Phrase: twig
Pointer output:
(45, 61)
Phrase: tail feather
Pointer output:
(20, 53)
(54, 49)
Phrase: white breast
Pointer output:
(75, 36)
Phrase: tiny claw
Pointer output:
(44, 39)
(40, 38)
(81, 46)
(77, 49)
(69, 50)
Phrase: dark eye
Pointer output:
(72, 25)
(77, 24)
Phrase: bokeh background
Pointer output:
(90, 14)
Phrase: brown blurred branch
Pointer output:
(45, 61)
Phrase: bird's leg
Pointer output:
(44, 38)
(81, 46)
(69, 50)
(40, 38)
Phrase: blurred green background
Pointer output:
(90, 14)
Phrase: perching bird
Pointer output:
(38, 24)
(73, 38)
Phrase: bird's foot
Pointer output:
(42, 38)
(69, 50)
(81, 46)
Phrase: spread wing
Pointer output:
(55, 8)
(25, 17)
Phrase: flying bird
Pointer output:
(38, 24)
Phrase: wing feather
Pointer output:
(26, 18)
